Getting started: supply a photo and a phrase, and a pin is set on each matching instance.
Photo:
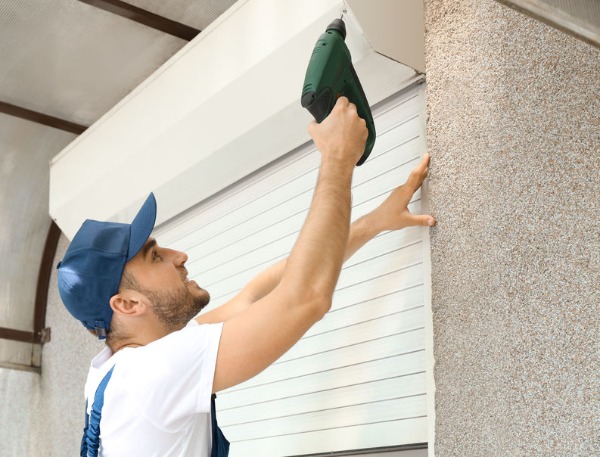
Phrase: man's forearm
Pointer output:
(316, 259)
(361, 232)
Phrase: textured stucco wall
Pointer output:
(43, 414)
(17, 410)
(514, 134)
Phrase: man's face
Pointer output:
(161, 276)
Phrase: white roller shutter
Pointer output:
(357, 378)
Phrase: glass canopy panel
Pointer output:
(73, 61)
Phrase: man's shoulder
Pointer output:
(192, 341)
(162, 361)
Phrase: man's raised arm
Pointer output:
(256, 337)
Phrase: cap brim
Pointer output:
(142, 226)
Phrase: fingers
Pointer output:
(415, 180)
(419, 173)
(422, 220)
(423, 167)
(343, 104)
(342, 101)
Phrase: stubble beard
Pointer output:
(175, 308)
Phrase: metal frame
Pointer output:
(40, 334)
(145, 17)
(41, 118)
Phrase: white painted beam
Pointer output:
(225, 105)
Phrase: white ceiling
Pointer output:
(73, 61)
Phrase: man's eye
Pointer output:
(156, 256)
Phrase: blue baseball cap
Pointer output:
(90, 272)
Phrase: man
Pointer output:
(149, 391)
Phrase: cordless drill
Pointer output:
(329, 75)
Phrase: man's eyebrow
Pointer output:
(148, 247)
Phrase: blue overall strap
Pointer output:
(220, 445)
(90, 442)
(83, 451)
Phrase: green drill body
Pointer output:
(329, 75)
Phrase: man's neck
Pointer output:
(122, 345)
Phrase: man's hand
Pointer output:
(393, 213)
(342, 135)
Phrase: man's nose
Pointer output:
(180, 257)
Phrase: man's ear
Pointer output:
(128, 302)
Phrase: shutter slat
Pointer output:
(379, 434)
(327, 399)
(399, 366)
(348, 416)
(377, 348)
